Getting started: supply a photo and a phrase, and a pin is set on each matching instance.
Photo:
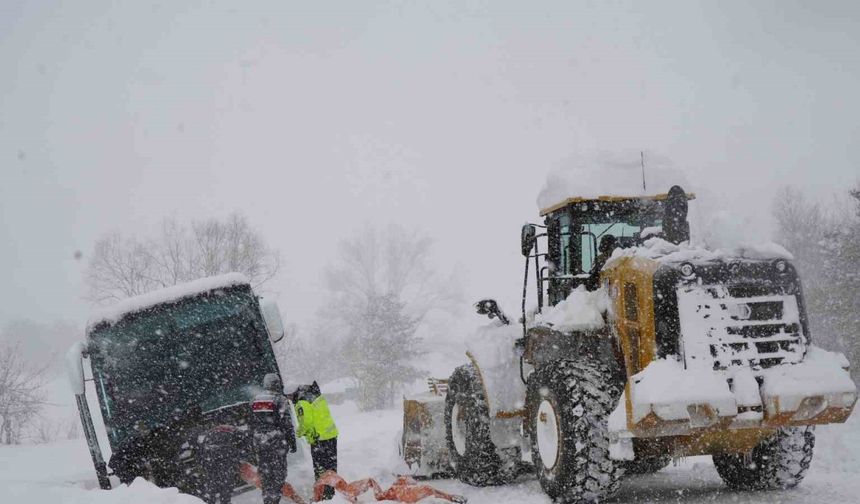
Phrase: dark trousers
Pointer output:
(324, 455)
(273, 473)
(219, 466)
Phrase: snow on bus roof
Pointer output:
(115, 312)
(609, 176)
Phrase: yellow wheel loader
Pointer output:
(642, 348)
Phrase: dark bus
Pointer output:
(168, 366)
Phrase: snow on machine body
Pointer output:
(169, 367)
(665, 351)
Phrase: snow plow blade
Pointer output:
(733, 411)
(423, 445)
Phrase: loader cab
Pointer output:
(576, 227)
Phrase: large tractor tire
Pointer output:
(779, 461)
(569, 403)
(467, 431)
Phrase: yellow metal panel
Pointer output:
(638, 338)
(637, 354)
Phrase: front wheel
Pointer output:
(779, 461)
(569, 407)
(467, 430)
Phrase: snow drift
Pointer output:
(139, 491)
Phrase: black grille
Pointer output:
(743, 325)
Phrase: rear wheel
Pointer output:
(569, 407)
(467, 430)
(780, 461)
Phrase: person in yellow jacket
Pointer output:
(317, 426)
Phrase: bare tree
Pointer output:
(120, 267)
(381, 288)
(21, 392)
(123, 266)
(174, 259)
(232, 246)
(392, 262)
(826, 247)
(382, 346)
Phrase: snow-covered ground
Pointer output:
(61, 472)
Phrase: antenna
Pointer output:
(642, 157)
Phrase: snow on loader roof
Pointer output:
(112, 314)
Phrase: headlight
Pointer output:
(781, 266)
(687, 269)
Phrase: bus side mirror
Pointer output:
(272, 317)
(527, 239)
(75, 367)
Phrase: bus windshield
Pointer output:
(151, 366)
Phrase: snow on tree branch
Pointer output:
(21, 392)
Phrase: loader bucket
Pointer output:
(423, 445)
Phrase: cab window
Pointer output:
(593, 233)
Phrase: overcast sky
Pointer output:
(314, 118)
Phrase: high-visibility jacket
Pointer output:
(315, 421)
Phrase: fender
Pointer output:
(493, 352)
